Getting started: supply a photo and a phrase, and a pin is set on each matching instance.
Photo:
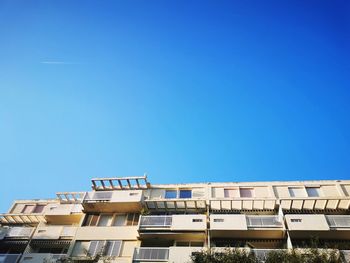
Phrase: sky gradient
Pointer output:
(186, 91)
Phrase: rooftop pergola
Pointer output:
(70, 197)
(21, 218)
(120, 183)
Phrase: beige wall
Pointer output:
(107, 233)
(230, 222)
(308, 222)
(186, 222)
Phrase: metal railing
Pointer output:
(264, 221)
(151, 254)
(9, 258)
(342, 221)
(24, 232)
(155, 221)
(98, 196)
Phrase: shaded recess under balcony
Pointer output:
(323, 226)
(250, 243)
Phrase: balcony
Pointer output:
(164, 254)
(151, 254)
(246, 226)
(9, 258)
(17, 232)
(263, 222)
(113, 201)
(156, 222)
(55, 232)
(338, 221)
(58, 213)
(174, 223)
(41, 258)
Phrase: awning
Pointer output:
(243, 204)
(315, 204)
(21, 218)
(176, 205)
(120, 183)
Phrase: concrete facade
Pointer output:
(128, 219)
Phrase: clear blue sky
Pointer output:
(187, 91)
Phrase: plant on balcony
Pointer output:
(311, 255)
(227, 256)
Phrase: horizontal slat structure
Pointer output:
(19, 232)
(98, 196)
(243, 204)
(263, 222)
(151, 254)
(120, 183)
(70, 197)
(21, 218)
(155, 221)
(175, 205)
(338, 221)
(295, 203)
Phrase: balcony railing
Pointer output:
(155, 221)
(263, 222)
(19, 232)
(9, 258)
(338, 221)
(98, 196)
(151, 254)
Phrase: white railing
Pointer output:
(155, 221)
(20, 232)
(263, 221)
(9, 258)
(338, 220)
(98, 196)
(151, 254)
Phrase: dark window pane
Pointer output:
(38, 208)
(170, 194)
(185, 193)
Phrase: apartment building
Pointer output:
(130, 220)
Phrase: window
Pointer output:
(170, 194)
(91, 220)
(112, 248)
(132, 219)
(106, 248)
(38, 209)
(95, 247)
(185, 193)
(296, 191)
(27, 209)
(230, 193)
(217, 220)
(105, 220)
(313, 191)
(295, 220)
(246, 192)
(119, 220)
(197, 220)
